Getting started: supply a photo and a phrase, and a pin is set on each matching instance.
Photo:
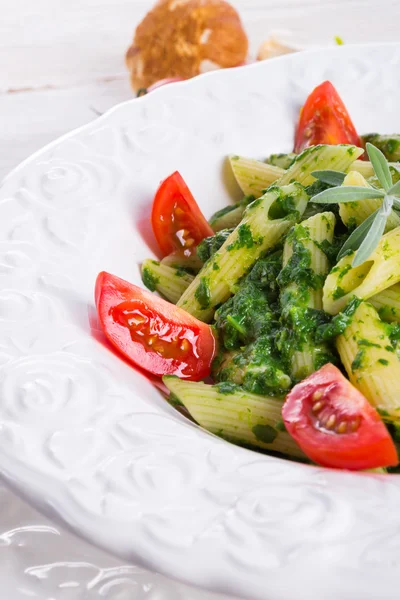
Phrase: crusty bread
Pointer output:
(177, 36)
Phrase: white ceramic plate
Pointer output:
(91, 440)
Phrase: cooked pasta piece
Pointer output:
(366, 169)
(264, 223)
(227, 217)
(281, 160)
(371, 362)
(254, 176)
(335, 158)
(388, 144)
(354, 213)
(306, 266)
(380, 271)
(284, 161)
(236, 415)
(363, 167)
(317, 230)
(179, 260)
(387, 303)
(170, 282)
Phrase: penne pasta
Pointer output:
(387, 303)
(380, 271)
(303, 247)
(179, 260)
(227, 218)
(337, 158)
(236, 415)
(168, 281)
(354, 213)
(254, 176)
(371, 362)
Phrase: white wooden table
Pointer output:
(62, 63)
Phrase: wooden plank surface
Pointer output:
(62, 62)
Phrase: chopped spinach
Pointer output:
(244, 316)
(149, 279)
(244, 238)
(257, 367)
(265, 433)
(202, 294)
(210, 245)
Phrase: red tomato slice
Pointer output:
(178, 223)
(152, 333)
(324, 120)
(335, 425)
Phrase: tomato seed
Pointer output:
(330, 422)
(151, 340)
(184, 345)
(317, 395)
(342, 427)
(137, 320)
(317, 406)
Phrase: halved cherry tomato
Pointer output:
(178, 223)
(152, 333)
(335, 425)
(324, 120)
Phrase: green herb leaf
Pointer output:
(347, 193)
(396, 202)
(329, 177)
(355, 239)
(380, 165)
(238, 326)
(374, 235)
(395, 189)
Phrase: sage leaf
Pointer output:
(347, 193)
(387, 204)
(355, 239)
(395, 189)
(380, 166)
(374, 234)
(330, 177)
(396, 202)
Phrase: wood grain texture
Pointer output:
(61, 61)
